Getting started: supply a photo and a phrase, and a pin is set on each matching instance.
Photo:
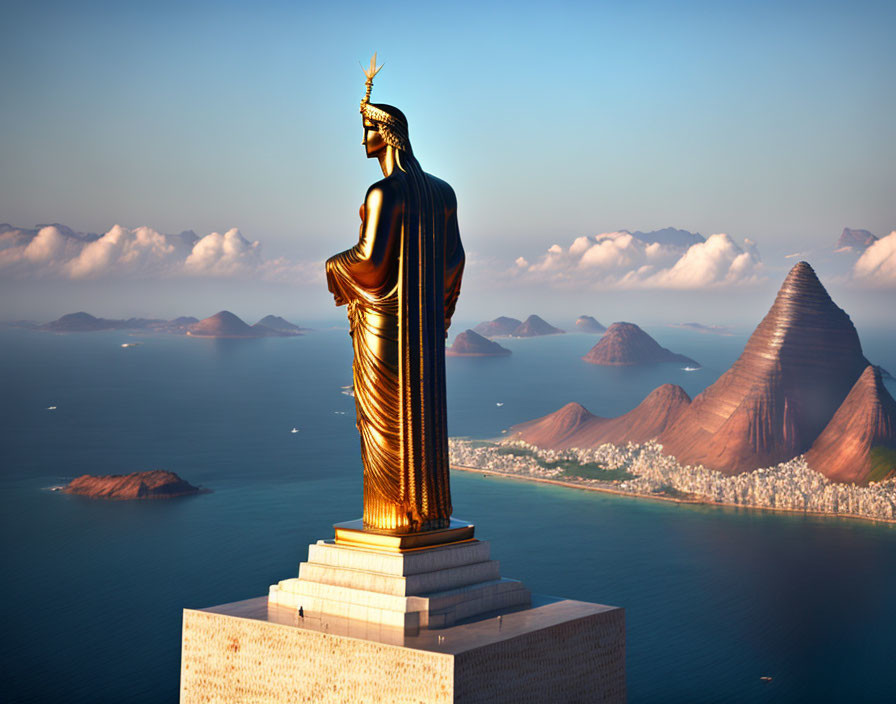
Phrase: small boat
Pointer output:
(294, 430)
(766, 678)
(339, 413)
(690, 369)
(499, 404)
(51, 408)
(349, 392)
(131, 344)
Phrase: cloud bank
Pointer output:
(877, 265)
(56, 251)
(624, 260)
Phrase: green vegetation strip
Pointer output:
(571, 468)
(883, 463)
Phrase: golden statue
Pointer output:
(401, 283)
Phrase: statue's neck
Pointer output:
(388, 160)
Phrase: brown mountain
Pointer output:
(139, 485)
(224, 324)
(499, 327)
(83, 322)
(855, 239)
(585, 323)
(472, 344)
(774, 401)
(535, 327)
(574, 426)
(625, 344)
(859, 443)
(279, 325)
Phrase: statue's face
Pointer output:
(373, 141)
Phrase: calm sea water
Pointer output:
(715, 598)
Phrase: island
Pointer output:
(625, 344)
(222, 324)
(227, 325)
(502, 326)
(855, 240)
(585, 323)
(154, 484)
(472, 344)
(534, 326)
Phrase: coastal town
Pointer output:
(644, 470)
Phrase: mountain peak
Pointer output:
(796, 369)
(859, 443)
(535, 326)
(625, 344)
(471, 344)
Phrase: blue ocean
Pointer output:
(715, 598)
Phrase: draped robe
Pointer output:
(401, 283)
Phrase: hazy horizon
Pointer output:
(765, 128)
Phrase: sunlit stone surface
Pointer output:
(554, 651)
(435, 587)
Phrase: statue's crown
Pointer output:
(393, 129)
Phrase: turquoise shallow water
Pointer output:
(715, 598)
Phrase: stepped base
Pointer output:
(426, 588)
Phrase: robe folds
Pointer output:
(401, 283)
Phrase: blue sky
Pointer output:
(767, 121)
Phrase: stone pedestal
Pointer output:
(424, 588)
(378, 619)
(552, 651)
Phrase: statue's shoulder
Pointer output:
(444, 188)
(385, 187)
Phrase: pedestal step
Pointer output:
(434, 610)
(431, 588)
(421, 583)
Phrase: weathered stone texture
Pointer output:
(557, 651)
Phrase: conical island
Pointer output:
(535, 326)
(625, 344)
(501, 326)
(585, 323)
(472, 344)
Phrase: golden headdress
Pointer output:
(394, 129)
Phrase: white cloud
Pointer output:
(620, 260)
(877, 265)
(144, 253)
(225, 254)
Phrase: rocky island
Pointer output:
(855, 239)
(625, 344)
(227, 325)
(534, 326)
(155, 484)
(222, 324)
(472, 344)
(585, 323)
(501, 326)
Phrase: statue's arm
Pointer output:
(454, 259)
(362, 269)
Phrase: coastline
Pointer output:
(654, 497)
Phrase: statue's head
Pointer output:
(384, 125)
